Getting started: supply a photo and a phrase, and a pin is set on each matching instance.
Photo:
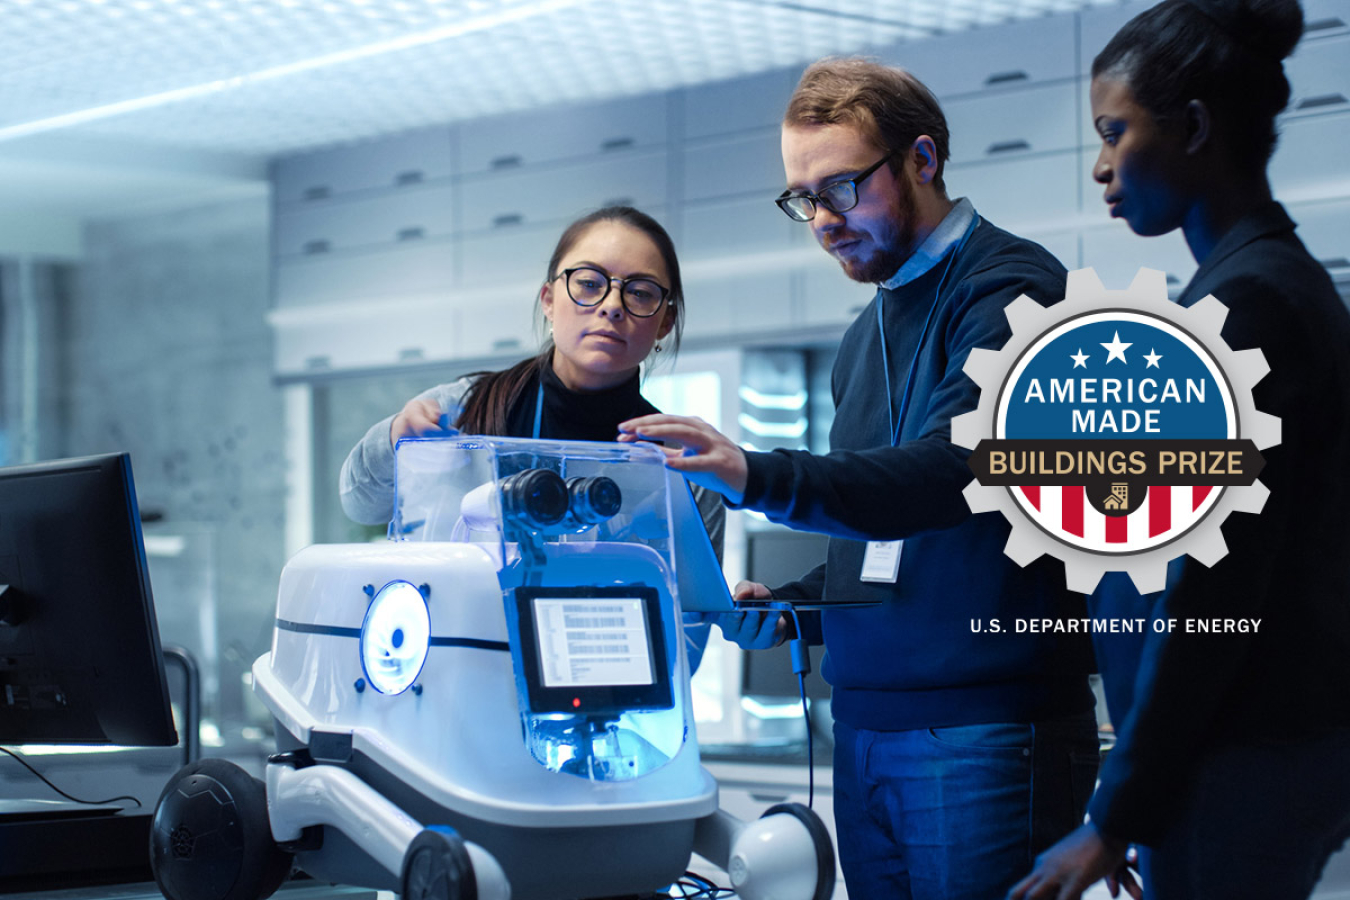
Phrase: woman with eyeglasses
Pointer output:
(612, 297)
(1231, 771)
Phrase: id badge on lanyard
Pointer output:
(881, 561)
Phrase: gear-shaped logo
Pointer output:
(1116, 431)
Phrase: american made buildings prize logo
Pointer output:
(1116, 431)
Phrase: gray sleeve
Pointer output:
(714, 513)
(366, 483)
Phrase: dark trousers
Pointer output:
(957, 813)
(1259, 823)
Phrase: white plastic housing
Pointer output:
(456, 737)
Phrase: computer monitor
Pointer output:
(80, 657)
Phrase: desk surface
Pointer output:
(293, 890)
(298, 889)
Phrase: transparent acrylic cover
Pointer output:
(581, 535)
(461, 489)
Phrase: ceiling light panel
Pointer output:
(271, 77)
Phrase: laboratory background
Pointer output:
(237, 232)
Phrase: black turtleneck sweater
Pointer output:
(569, 415)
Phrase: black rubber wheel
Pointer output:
(211, 839)
(820, 836)
(437, 867)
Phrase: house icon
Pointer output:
(1120, 497)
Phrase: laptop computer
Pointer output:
(699, 579)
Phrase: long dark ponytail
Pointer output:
(493, 394)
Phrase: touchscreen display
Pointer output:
(593, 641)
(597, 650)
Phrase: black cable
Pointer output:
(44, 780)
(801, 664)
(810, 746)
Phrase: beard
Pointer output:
(894, 245)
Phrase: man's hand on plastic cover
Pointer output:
(419, 416)
(705, 455)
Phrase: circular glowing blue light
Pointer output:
(394, 637)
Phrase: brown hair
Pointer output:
(887, 104)
(490, 398)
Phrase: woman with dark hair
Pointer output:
(611, 297)
(1231, 771)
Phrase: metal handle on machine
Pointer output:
(192, 700)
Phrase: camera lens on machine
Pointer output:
(536, 498)
(594, 499)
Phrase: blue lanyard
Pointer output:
(539, 407)
(897, 420)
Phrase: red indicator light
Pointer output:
(576, 702)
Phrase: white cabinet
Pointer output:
(511, 258)
(709, 303)
(1088, 138)
(420, 268)
(984, 59)
(726, 303)
(388, 217)
(374, 335)
(1323, 18)
(748, 164)
(417, 157)
(1309, 162)
(559, 193)
(497, 326)
(1325, 228)
(1117, 254)
(1319, 76)
(519, 140)
(403, 330)
(740, 104)
(1063, 245)
(469, 214)
(736, 229)
(1040, 192)
(1001, 126)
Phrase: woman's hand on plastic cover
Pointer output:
(705, 455)
(419, 416)
(752, 630)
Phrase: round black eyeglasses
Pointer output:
(589, 286)
(838, 197)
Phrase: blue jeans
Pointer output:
(1259, 822)
(957, 813)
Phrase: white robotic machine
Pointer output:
(492, 705)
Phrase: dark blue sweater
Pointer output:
(915, 660)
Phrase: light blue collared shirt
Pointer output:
(936, 246)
